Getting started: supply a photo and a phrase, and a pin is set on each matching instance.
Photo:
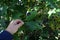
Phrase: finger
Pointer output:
(12, 22)
(19, 21)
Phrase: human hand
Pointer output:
(14, 26)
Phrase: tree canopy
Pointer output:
(41, 18)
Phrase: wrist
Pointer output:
(9, 31)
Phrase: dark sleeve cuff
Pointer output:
(5, 36)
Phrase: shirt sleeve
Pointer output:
(5, 36)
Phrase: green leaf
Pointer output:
(33, 26)
(16, 15)
(32, 16)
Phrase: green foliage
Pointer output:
(41, 18)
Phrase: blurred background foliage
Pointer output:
(41, 18)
